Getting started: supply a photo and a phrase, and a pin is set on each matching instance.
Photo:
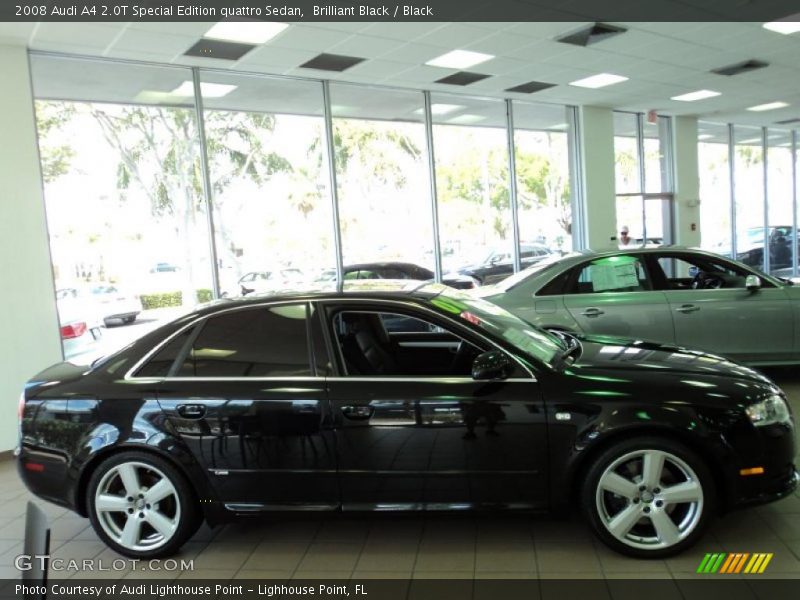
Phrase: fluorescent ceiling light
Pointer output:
(466, 119)
(705, 136)
(209, 90)
(440, 109)
(250, 32)
(694, 96)
(788, 26)
(154, 97)
(768, 106)
(559, 126)
(599, 80)
(750, 141)
(459, 59)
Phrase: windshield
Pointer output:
(527, 338)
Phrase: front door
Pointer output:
(614, 295)
(245, 398)
(713, 310)
(414, 430)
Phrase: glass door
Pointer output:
(644, 220)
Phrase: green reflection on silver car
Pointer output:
(669, 294)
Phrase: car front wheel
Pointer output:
(648, 497)
(141, 506)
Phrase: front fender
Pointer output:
(592, 428)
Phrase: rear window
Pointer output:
(161, 362)
(254, 342)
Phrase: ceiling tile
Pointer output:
(305, 37)
(366, 45)
(155, 43)
(405, 31)
(453, 36)
(275, 57)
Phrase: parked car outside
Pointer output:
(403, 270)
(107, 302)
(270, 281)
(750, 248)
(81, 334)
(396, 271)
(673, 295)
(499, 264)
(305, 401)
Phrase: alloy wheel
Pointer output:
(137, 506)
(649, 499)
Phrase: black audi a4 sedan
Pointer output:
(308, 402)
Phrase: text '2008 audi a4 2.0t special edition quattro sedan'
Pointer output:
(417, 399)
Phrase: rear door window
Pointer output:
(253, 342)
(623, 273)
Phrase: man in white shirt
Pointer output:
(624, 239)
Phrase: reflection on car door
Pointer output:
(730, 320)
(248, 402)
(414, 430)
(614, 295)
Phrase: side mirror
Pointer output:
(753, 283)
(491, 365)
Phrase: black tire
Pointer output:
(643, 540)
(183, 504)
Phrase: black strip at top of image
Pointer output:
(402, 10)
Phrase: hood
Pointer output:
(606, 353)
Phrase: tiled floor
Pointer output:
(416, 546)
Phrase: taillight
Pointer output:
(73, 330)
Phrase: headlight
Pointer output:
(769, 411)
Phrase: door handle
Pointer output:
(358, 413)
(688, 308)
(191, 411)
(592, 312)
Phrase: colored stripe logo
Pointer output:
(735, 562)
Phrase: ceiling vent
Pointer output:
(462, 78)
(219, 49)
(332, 62)
(742, 67)
(591, 35)
(531, 87)
(787, 121)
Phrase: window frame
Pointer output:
(199, 324)
(575, 273)
(663, 279)
(329, 308)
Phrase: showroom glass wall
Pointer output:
(121, 163)
(134, 154)
(748, 194)
(643, 176)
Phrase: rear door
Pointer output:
(713, 310)
(244, 393)
(614, 295)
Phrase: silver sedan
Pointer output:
(684, 296)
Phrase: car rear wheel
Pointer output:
(141, 506)
(648, 497)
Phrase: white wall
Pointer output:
(687, 182)
(597, 147)
(29, 336)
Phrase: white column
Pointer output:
(597, 156)
(28, 318)
(687, 182)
